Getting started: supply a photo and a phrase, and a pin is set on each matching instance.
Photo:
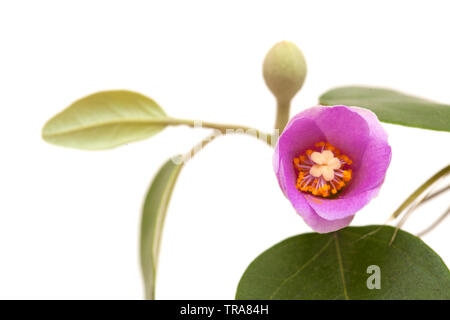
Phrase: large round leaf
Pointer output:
(105, 120)
(339, 265)
(392, 106)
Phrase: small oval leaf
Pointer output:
(105, 120)
(392, 106)
(343, 265)
(153, 215)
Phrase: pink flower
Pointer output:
(330, 162)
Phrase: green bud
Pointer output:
(284, 70)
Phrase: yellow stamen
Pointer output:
(322, 173)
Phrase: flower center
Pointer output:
(323, 171)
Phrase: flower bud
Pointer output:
(284, 70)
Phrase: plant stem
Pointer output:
(435, 194)
(283, 111)
(415, 199)
(199, 146)
(224, 128)
(419, 191)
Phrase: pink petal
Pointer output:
(376, 130)
(364, 186)
(290, 145)
(335, 209)
(345, 129)
(317, 223)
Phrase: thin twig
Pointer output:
(420, 201)
(199, 146)
(270, 139)
(419, 191)
(408, 213)
(435, 224)
(435, 194)
(415, 200)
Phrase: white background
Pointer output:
(69, 219)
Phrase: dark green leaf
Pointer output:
(105, 120)
(392, 106)
(334, 266)
(153, 215)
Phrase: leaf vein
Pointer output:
(341, 267)
(300, 268)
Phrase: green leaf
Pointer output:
(392, 106)
(153, 215)
(105, 120)
(334, 266)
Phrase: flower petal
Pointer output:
(341, 208)
(312, 219)
(363, 188)
(310, 113)
(289, 145)
(377, 131)
(324, 226)
(347, 130)
(371, 172)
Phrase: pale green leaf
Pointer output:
(105, 120)
(153, 215)
(392, 106)
(335, 266)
